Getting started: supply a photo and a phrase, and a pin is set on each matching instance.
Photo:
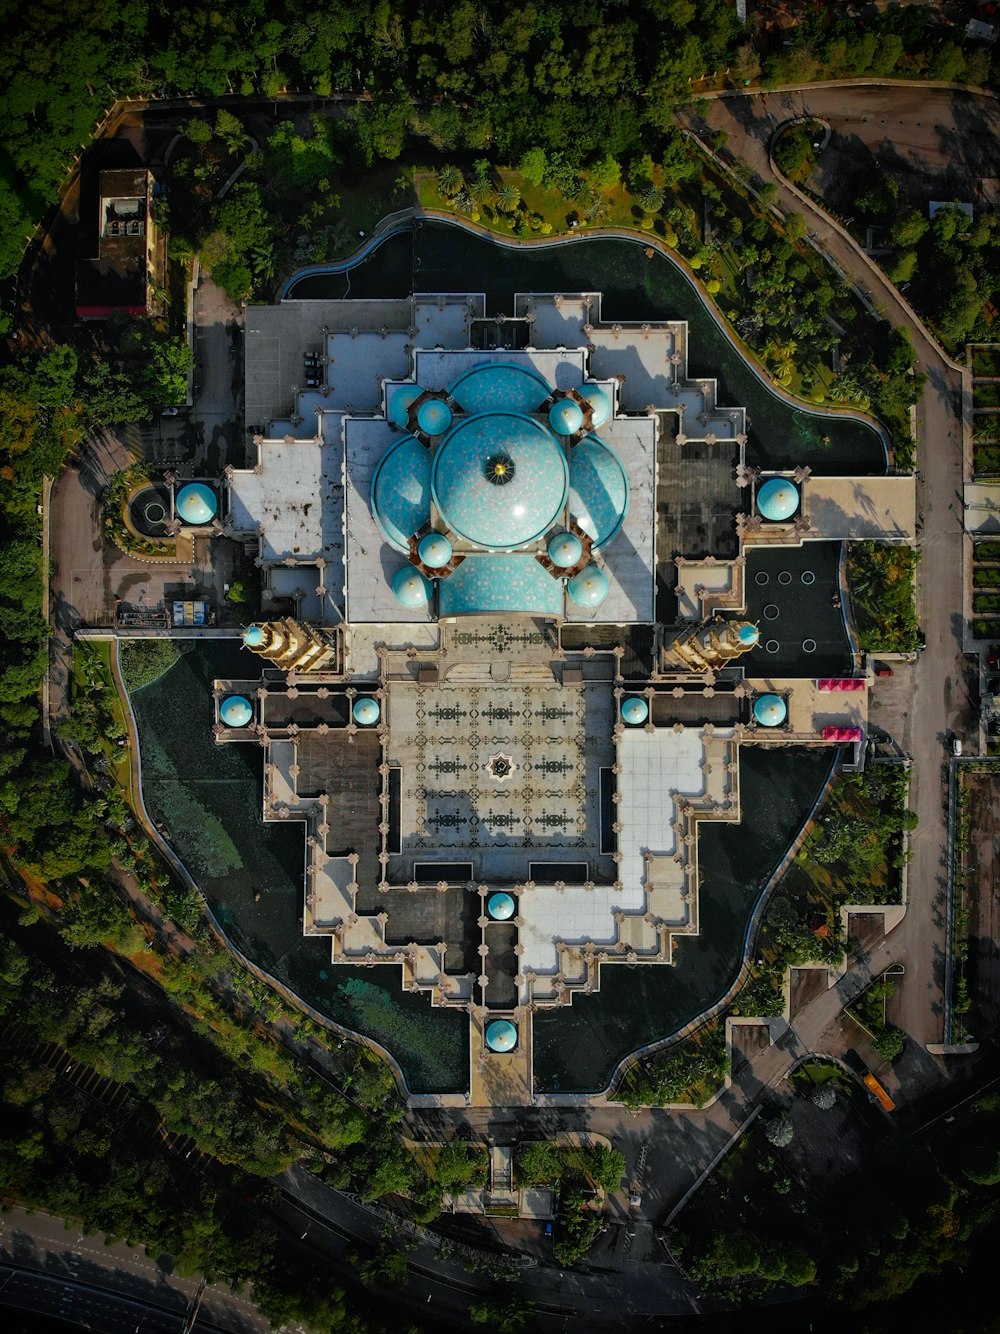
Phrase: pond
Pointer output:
(209, 799)
(438, 257)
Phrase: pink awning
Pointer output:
(841, 683)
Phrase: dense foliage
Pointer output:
(881, 579)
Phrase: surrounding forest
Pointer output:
(596, 79)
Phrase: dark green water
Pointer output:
(443, 258)
(577, 1048)
(793, 594)
(209, 799)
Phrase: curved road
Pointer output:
(932, 697)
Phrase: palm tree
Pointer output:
(651, 199)
(481, 190)
(449, 181)
(508, 198)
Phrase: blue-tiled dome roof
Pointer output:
(778, 499)
(253, 636)
(589, 588)
(434, 417)
(598, 489)
(499, 479)
(401, 490)
(566, 416)
(399, 403)
(434, 550)
(501, 1035)
(196, 504)
(235, 711)
(770, 710)
(635, 710)
(501, 906)
(410, 587)
(599, 401)
(565, 549)
(500, 387)
(366, 711)
(748, 635)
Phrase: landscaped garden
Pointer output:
(881, 579)
(986, 586)
(580, 1175)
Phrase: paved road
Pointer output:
(939, 700)
(87, 1275)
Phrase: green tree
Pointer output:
(532, 166)
(508, 1313)
(907, 228)
(508, 197)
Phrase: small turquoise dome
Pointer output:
(399, 406)
(253, 636)
(565, 549)
(196, 504)
(410, 587)
(434, 550)
(366, 711)
(566, 416)
(401, 491)
(501, 906)
(778, 499)
(748, 635)
(770, 710)
(434, 417)
(501, 1035)
(589, 588)
(235, 711)
(635, 710)
(599, 401)
(598, 489)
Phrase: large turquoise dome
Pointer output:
(500, 387)
(253, 636)
(235, 711)
(401, 491)
(499, 480)
(196, 504)
(598, 489)
(589, 588)
(778, 499)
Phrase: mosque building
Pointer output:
(511, 646)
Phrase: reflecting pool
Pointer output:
(208, 800)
